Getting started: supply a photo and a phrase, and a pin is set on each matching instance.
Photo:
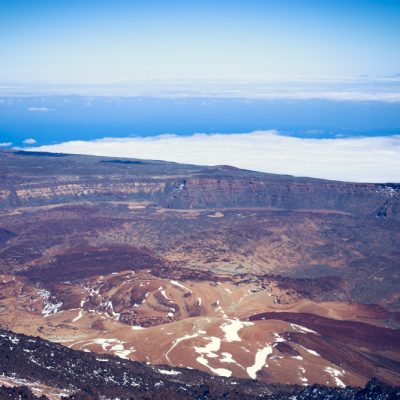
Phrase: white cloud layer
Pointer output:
(29, 141)
(6, 144)
(367, 159)
(358, 90)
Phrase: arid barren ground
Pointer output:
(237, 273)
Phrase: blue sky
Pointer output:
(302, 87)
(113, 41)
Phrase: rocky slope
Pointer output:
(67, 178)
(50, 371)
(240, 274)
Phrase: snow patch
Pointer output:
(136, 327)
(259, 361)
(301, 329)
(335, 374)
(164, 294)
(278, 338)
(231, 329)
(114, 345)
(314, 353)
(175, 283)
(177, 341)
(218, 371)
(78, 317)
(168, 371)
(210, 348)
(49, 308)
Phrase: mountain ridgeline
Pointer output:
(61, 178)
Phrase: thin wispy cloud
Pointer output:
(6, 144)
(354, 90)
(368, 159)
(38, 109)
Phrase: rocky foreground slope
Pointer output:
(52, 371)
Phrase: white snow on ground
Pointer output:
(168, 371)
(259, 362)
(37, 388)
(136, 327)
(231, 329)
(78, 317)
(335, 373)
(218, 371)
(228, 290)
(177, 341)
(298, 357)
(199, 301)
(219, 308)
(314, 353)
(161, 289)
(114, 345)
(301, 329)
(387, 190)
(11, 338)
(210, 348)
(92, 291)
(119, 350)
(278, 337)
(49, 307)
(109, 306)
(227, 358)
(175, 283)
(145, 297)
(303, 379)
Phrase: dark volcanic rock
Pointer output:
(6, 235)
(285, 348)
(89, 376)
(79, 263)
(18, 393)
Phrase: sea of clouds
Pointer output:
(365, 159)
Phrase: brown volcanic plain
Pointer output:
(233, 272)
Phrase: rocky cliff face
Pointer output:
(282, 192)
(79, 178)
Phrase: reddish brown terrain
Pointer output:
(236, 273)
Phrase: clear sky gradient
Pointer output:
(141, 40)
(305, 87)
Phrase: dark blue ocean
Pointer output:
(55, 119)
